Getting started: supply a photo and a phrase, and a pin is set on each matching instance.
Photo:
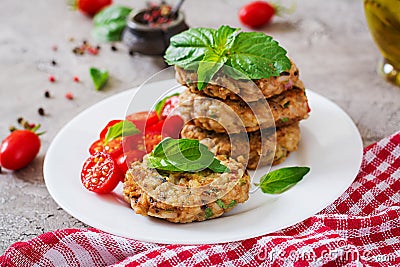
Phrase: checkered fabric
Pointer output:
(361, 228)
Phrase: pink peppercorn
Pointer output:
(52, 78)
(69, 96)
(76, 79)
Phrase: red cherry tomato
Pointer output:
(155, 128)
(169, 106)
(172, 126)
(105, 129)
(91, 7)
(143, 119)
(18, 149)
(256, 14)
(133, 142)
(114, 147)
(127, 158)
(100, 173)
(151, 140)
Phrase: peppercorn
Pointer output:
(52, 78)
(12, 128)
(131, 53)
(69, 96)
(113, 48)
(76, 79)
(47, 94)
(20, 120)
(41, 111)
(53, 62)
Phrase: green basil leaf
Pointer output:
(160, 104)
(280, 180)
(109, 23)
(110, 32)
(122, 128)
(183, 155)
(252, 55)
(99, 77)
(216, 166)
(258, 56)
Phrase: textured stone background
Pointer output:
(328, 40)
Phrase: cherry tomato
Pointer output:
(91, 7)
(133, 142)
(256, 14)
(18, 149)
(169, 106)
(105, 129)
(155, 128)
(127, 158)
(114, 147)
(143, 119)
(151, 140)
(100, 173)
(172, 126)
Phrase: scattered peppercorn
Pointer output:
(76, 79)
(131, 52)
(41, 112)
(47, 94)
(12, 128)
(69, 96)
(52, 78)
(113, 48)
(20, 120)
(92, 50)
(84, 42)
(98, 47)
(0, 170)
(53, 62)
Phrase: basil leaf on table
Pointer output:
(280, 180)
(252, 55)
(99, 77)
(109, 23)
(160, 104)
(183, 155)
(122, 128)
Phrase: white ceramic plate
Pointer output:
(330, 145)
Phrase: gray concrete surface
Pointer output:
(328, 40)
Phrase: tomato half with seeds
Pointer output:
(169, 106)
(151, 140)
(100, 173)
(113, 147)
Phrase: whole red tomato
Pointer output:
(18, 149)
(256, 14)
(91, 7)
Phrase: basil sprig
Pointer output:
(252, 55)
(99, 77)
(183, 155)
(122, 128)
(109, 23)
(278, 181)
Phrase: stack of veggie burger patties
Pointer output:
(243, 95)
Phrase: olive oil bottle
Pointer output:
(383, 18)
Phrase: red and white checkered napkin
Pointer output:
(361, 228)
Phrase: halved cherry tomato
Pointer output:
(127, 158)
(18, 149)
(114, 147)
(143, 119)
(151, 140)
(105, 129)
(133, 142)
(155, 128)
(169, 106)
(100, 173)
(172, 126)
